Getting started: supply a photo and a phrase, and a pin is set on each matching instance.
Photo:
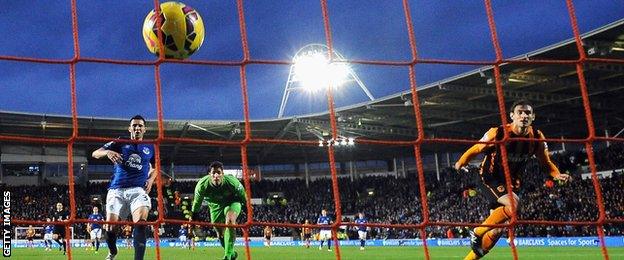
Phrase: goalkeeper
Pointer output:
(225, 195)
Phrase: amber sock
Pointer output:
(499, 215)
(489, 239)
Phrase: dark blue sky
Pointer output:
(364, 30)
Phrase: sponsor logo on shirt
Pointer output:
(134, 161)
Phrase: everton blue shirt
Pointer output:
(361, 221)
(183, 231)
(49, 229)
(135, 166)
(324, 220)
(96, 217)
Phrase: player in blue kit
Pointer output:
(183, 233)
(133, 176)
(95, 230)
(362, 229)
(325, 234)
(47, 235)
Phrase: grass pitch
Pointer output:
(287, 253)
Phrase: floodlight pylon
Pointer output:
(294, 82)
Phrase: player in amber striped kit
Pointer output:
(493, 176)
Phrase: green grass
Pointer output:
(287, 253)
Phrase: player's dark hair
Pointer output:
(521, 102)
(215, 164)
(138, 117)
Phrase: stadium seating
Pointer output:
(389, 200)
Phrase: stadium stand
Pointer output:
(394, 200)
(398, 123)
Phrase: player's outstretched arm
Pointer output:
(476, 149)
(113, 156)
(468, 155)
(562, 177)
(544, 159)
(150, 179)
(198, 197)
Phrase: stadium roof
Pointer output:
(464, 106)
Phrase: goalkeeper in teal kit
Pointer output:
(225, 195)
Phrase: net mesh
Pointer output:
(249, 139)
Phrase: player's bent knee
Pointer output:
(230, 218)
(140, 214)
(232, 214)
(497, 231)
(508, 211)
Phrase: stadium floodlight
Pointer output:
(313, 70)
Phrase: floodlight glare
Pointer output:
(314, 71)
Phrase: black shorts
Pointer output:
(267, 237)
(493, 190)
(29, 238)
(307, 236)
(59, 230)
